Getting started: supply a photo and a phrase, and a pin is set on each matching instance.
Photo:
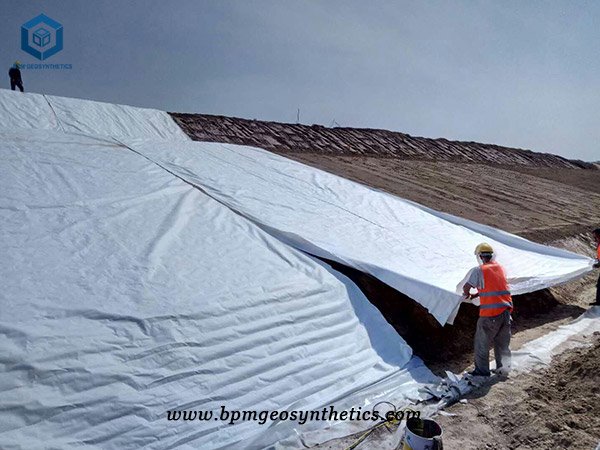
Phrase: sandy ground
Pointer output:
(557, 407)
(554, 408)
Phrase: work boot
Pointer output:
(478, 373)
(501, 372)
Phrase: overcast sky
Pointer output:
(523, 73)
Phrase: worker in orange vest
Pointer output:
(596, 234)
(495, 307)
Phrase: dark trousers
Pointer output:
(598, 290)
(15, 83)
(496, 331)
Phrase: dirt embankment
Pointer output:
(450, 347)
(588, 180)
(341, 141)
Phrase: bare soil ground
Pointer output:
(554, 408)
(583, 179)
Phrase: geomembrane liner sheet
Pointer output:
(143, 272)
(421, 252)
(128, 293)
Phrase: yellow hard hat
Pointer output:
(484, 247)
(17, 63)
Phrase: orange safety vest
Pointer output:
(494, 297)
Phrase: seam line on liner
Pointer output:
(199, 187)
(267, 229)
(54, 112)
(320, 198)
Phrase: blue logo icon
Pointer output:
(42, 37)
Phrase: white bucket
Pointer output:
(422, 434)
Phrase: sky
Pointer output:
(514, 73)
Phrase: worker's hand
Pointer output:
(471, 298)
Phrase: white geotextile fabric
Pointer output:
(540, 351)
(127, 292)
(47, 112)
(420, 252)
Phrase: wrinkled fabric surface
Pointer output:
(143, 272)
(127, 292)
(420, 252)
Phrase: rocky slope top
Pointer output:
(317, 139)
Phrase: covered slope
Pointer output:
(71, 115)
(533, 202)
(420, 252)
(145, 251)
(127, 293)
(536, 195)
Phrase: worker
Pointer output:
(495, 307)
(596, 234)
(15, 76)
